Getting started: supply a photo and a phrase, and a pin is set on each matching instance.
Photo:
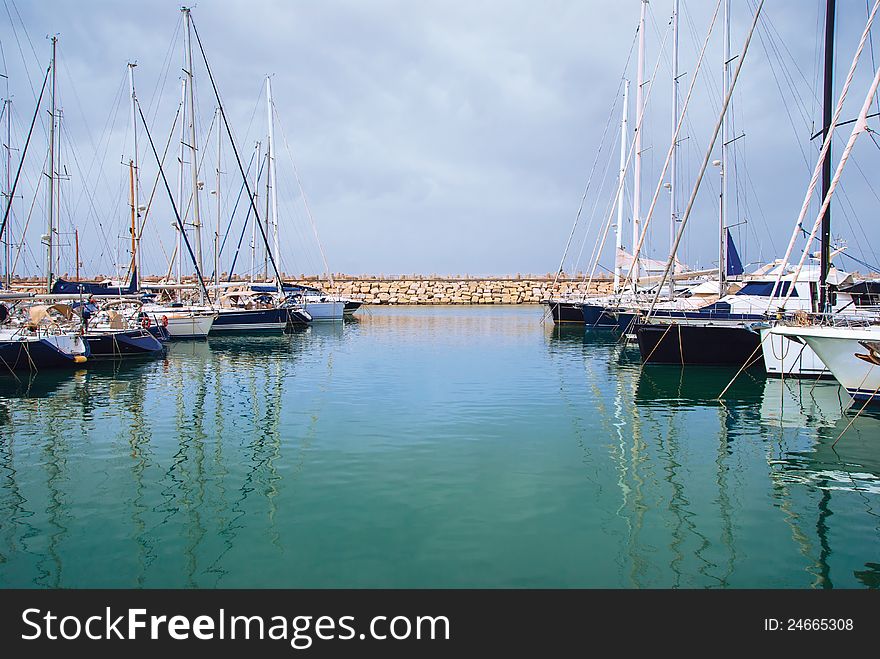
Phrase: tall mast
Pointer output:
(180, 168)
(7, 240)
(266, 228)
(256, 219)
(133, 215)
(271, 177)
(76, 240)
(217, 192)
(136, 238)
(828, 101)
(624, 139)
(49, 255)
(673, 208)
(722, 213)
(194, 165)
(637, 168)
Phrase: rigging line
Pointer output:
(164, 71)
(245, 225)
(235, 208)
(785, 105)
(773, 53)
(871, 46)
(873, 268)
(5, 66)
(596, 160)
(684, 219)
(92, 207)
(848, 214)
(593, 211)
(173, 205)
(95, 148)
(238, 160)
(155, 187)
(305, 200)
(23, 154)
(637, 250)
(638, 127)
(21, 51)
(771, 26)
(36, 189)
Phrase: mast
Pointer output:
(624, 139)
(637, 168)
(194, 165)
(673, 209)
(725, 131)
(266, 228)
(827, 103)
(180, 160)
(217, 192)
(133, 163)
(51, 228)
(133, 215)
(272, 176)
(76, 241)
(257, 146)
(7, 241)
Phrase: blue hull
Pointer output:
(601, 317)
(257, 320)
(566, 312)
(131, 343)
(33, 356)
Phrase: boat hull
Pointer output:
(598, 316)
(849, 353)
(679, 343)
(125, 343)
(566, 312)
(790, 358)
(257, 320)
(183, 323)
(35, 354)
(325, 310)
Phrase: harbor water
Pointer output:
(432, 447)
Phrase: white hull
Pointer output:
(786, 357)
(837, 347)
(183, 323)
(332, 310)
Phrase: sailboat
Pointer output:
(636, 277)
(849, 347)
(235, 311)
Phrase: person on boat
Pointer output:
(88, 310)
(4, 313)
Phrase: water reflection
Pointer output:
(346, 453)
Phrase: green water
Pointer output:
(432, 447)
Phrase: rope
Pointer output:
(749, 361)
(656, 345)
(851, 421)
(9, 368)
(28, 354)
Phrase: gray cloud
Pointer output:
(432, 136)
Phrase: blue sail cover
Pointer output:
(62, 286)
(734, 265)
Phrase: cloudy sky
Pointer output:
(429, 137)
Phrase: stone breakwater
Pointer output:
(421, 289)
(410, 289)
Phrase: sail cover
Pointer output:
(734, 265)
(62, 286)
